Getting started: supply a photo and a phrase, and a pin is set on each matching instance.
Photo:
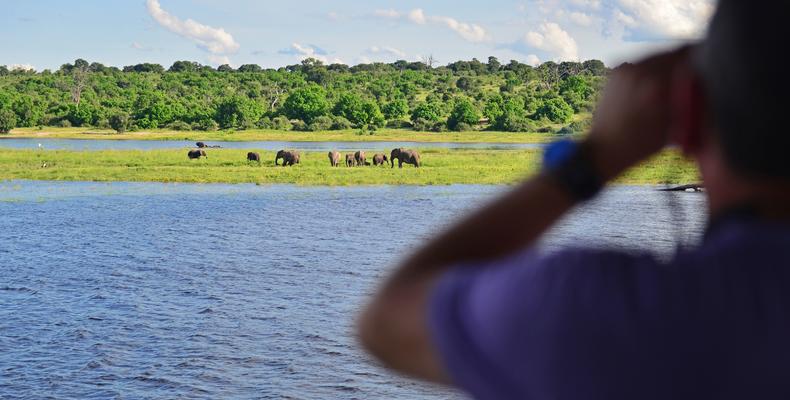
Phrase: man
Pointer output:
(479, 310)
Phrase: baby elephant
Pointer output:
(252, 156)
(334, 158)
(380, 159)
(290, 157)
(350, 161)
(195, 154)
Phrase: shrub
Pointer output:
(64, 123)
(206, 124)
(422, 124)
(119, 122)
(340, 123)
(298, 125)
(281, 123)
(322, 123)
(399, 124)
(7, 120)
(178, 126)
(463, 127)
(264, 123)
(565, 130)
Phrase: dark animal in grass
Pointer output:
(289, 157)
(380, 159)
(405, 156)
(195, 154)
(359, 158)
(200, 144)
(205, 146)
(252, 156)
(334, 158)
(350, 161)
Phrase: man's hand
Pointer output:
(633, 118)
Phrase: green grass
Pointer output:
(441, 167)
(349, 135)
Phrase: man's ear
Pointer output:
(688, 109)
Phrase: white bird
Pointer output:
(40, 146)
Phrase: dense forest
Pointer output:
(464, 95)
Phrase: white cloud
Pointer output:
(386, 50)
(21, 67)
(218, 59)
(216, 41)
(625, 19)
(553, 39)
(390, 13)
(468, 31)
(302, 52)
(594, 4)
(675, 19)
(581, 19)
(533, 60)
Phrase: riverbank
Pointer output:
(349, 135)
(441, 167)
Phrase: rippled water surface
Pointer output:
(233, 291)
(78, 144)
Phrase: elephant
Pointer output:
(195, 154)
(290, 157)
(359, 157)
(380, 159)
(350, 161)
(334, 158)
(405, 156)
(252, 156)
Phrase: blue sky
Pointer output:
(47, 33)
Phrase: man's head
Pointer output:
(744, 82)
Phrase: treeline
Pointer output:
(464, 95)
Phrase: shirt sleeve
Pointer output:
(520, 327)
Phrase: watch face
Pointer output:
(558, 152)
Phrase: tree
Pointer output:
(3, 70)
(395, 109)
(554, 109)
(463, 83)
(359, 112)
(250, 68)
(185, 66)
(120, 122)
(306, 103)
(238, 112)
(7, 120)
(428, 111)
(225, 68)
(145, 67)
(463, 116)
(493, 64)
(595, 67)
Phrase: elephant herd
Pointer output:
(359, 159)
(356, 159)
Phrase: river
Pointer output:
(145, 290)
(86, 144)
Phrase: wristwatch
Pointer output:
(569, 164)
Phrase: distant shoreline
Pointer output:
(349, 135)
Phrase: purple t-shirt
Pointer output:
(713, 323)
